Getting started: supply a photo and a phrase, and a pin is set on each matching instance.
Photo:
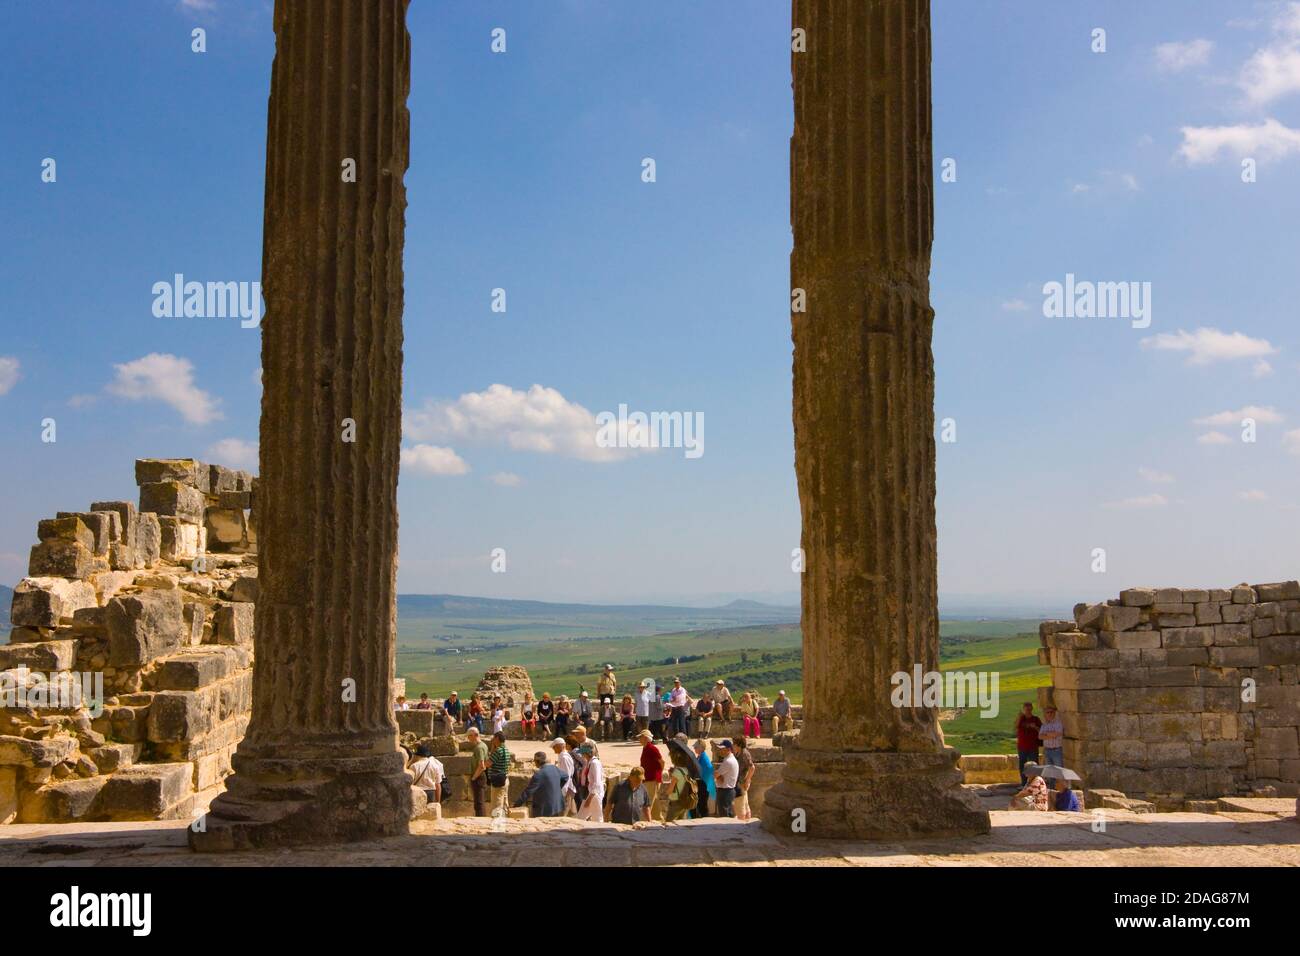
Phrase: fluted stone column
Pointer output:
(320, 761)
(862, 212)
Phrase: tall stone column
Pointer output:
(320, 761)
(862, 212)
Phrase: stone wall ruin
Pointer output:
(155, 601)
(1175, 693)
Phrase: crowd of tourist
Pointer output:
(610, 717)
(570, 781)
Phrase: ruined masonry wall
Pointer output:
(157, 602)
(1177, 693)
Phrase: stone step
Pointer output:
(44, 656)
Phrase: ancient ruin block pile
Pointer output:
(1177, 693)
(155, 602)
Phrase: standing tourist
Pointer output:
(1027, 741)
(709, 789)
(727, 773)
(627, 712)
(429, 774)
(564, 762)
(679, 702)
(652, 764)
(682, 797)
(745, 762)
(579, 765)
(546, 715)
(545, 791)
(498, 775)
(1052, 735)
(629, 802)
(607, 685)
(499, 715)
(528, 716)
(749, 715)
(594, 777)
(781, 714)
(645, 696)
(478, 766)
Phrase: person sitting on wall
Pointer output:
(424, 703)
(627, 711)
(451, 708)
(1034, 794)
(528, 716)
(563, 711)
(546, 715)
(1066, 799)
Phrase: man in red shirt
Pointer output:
(652, 762)
(1027, 742)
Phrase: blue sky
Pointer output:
(1072, 434)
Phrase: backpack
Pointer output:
(691, 791)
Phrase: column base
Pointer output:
(272, 802)
(872, 796)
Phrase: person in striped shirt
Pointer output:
(498, 775)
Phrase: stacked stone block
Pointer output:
(1175, 694)
(156, 601)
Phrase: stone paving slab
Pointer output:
(1016, 839)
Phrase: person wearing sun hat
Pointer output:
(1034, 794)
(727, 774)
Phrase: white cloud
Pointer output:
(9, 373)
(1254, 494)
(1144, 501)
(1176, 56)
(1015, 305)
(82, 400)
(506, 479)
(1263, 415)
(234, 453)
(1273, 71)
(1291, 441)
(1155, 477)
(1265, 141)
(540, 420)
(167, 378)
(1263, 368)
(1213, 438)
(1209, 345)
(433, 460)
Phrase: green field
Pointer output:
(563, 658)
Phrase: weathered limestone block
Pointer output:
(181, 715)
(1277, 743)
(1160, 700)
(223, 479)
(1137, 597)
(173, 499)
(190, 671)
(148, 540)
(1119, 617)
(1244, 594)
(1283, 591)
(232, 623)
(235, 500)
(69, 528)
(419, 722)
(1211, 612)
(1279, 649)
(180, 540)
(1187, 636)
(1072, 640)
(126, 517)
(8, 794)
(1129, 640)
(1234, 656)
(126, 723)
(100, 525)
(245, 589)
(144, 791)
(195, 615)
(45, 752)
(44, 656)
(58, 557)
(61, 801)
(187, 471)
(144, 626)
(226, 529)
(49, 601)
